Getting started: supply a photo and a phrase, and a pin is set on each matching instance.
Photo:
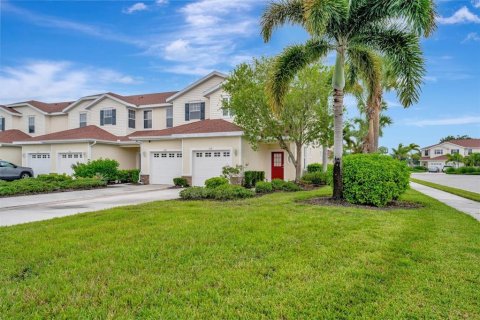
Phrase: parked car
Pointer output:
(446, 167)
(10, 171)
(433, 169)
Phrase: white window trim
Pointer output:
(104, 117)
(168, 117)
(80, 119)
(4, 123)
(149, 111)
(190, 105)
(34, 124)
(134, 118)
(228, 111)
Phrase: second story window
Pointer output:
(147, 119)
(83, 119)
(469, 151)
(195, 110)
(108, 116)
(169, 117)
(2, 124)
(31, 124)
(426, 153)
(438, 151)
(227, 113)
(131, 119)
(454, 151)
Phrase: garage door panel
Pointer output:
(66, 160)
(40, 163)
(209, 164)
(165, 166)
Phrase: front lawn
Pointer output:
(267, 257)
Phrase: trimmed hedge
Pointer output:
(252, 177)
(263, 187)
(128, 176)
(464, 170)
(222, 192)
(316, 178)
(281, 185)
(180, 182)
(418, 169)
(48, 183)
(106, 168)
(314, 167)
(373, 179)
(215, 182)
(194, 193)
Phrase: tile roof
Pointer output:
(203, 126)
(439, 158)
(85, 133)
(9, 109)
(47, 107)
(9, 136)
(145, 99)
(467, 143)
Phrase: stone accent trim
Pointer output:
(145, 179)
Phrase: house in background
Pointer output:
(184, 133)
(436, 156)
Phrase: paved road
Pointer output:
(16, 210)
(464, 182)
(467, 206)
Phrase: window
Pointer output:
(2, 124)
(226, 153)
(147, 119)
(131, 119)
(454, 151)
(426, 153)
(31, 124)
(169, 117)
(5, 164)
(216, 154)
(208, 154)
(198, 154)
(438, 151)
(108, 116)
(469, 151)
(195, 110)
(83, 119)
(227, 113)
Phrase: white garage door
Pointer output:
(438, 165)
(39, 162)
(209, 164)
(66, 160)
(164, 166)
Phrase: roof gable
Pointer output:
(197, 83)
(11, 111)
(42, 107)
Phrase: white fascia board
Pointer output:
(118, 142)
(27, 105)
(2, 144)
(208, 92)
(191, 135)
(11, 113)
(158, 105)
(103, 96)
(196, 83)
(75, 103)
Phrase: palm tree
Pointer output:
(404, 152)
(456, 158)
(356, 30)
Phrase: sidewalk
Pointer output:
(467, 206)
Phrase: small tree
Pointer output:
(472, 160)
(456, 158)
(298, 122)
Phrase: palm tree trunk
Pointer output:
(376, 119)
(338, 86)
(368, 144)
(324, 158)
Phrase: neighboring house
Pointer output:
(436, 156)
(171, 134)
(9, 151)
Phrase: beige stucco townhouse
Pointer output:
(182, 133)
(435, 157)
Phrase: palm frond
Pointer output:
(366, 65)
(286, 66)
(280, 13)
(325, 16)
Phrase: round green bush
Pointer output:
(277, 184)
(450, 170)
(314, 167)
(230, 192)
(373, 179)
(291, 187)
(215, 182)
(194, 193)
(317, 178)
(180, 182)
(263, 187)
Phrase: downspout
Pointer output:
(90, 150)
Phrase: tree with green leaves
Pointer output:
(458, 137)
(455, 158)
(356, 30)
(472, 160)
(303, 119)
(404, 153)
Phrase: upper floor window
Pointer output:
(31, 124)
(83, 119)
(454, 151)
(108, 116)
(469, 151)
(131, 119)
(227, 113)
(438, 151)
(195, 110)
(169, 117)
(426, 153)
(147, 119)
(2, 124)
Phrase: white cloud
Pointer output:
(476, 3)
(139, 6)
(462, 15)
(57, 81)
(161, 2)
(430, 78)
(472, 36)
(446, 121)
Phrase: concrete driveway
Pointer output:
(464, 182)
(16, 210)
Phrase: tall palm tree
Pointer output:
(355, 30)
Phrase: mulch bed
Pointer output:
(327, 201)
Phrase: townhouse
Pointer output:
(182, 133)
(435, 156)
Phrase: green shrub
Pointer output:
(215, 182)
(53, 177)
(317, 178)
(180, 182)
(107, 168)
(291, 187)
(278, 184)
(194, 193)
(373, 179)
(128, 176)
(470, 169)
(263, 187)
(462, 170)
(450, 170)
(314, 167)
(252, 177)
(230, 192)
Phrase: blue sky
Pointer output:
(61, 50)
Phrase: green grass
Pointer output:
(262, 258)
(459, 192)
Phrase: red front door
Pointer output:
(277, 165)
